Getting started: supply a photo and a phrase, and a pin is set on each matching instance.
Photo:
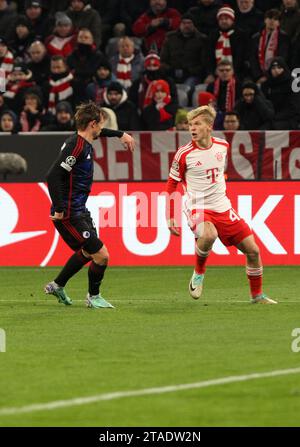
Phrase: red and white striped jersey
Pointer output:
(202, 173)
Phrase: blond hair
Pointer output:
(208, 113)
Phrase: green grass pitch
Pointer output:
(157, 336)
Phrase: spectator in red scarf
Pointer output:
(227, 42)
(159, 109)
(226, 89)
(269, 43)
(6, 57)
(128, 63)
(152, 72)
(63, 40)
(154, 24)
(19, 81)
(59, 87)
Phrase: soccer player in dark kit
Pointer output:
(69, 182)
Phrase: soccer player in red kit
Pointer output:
(199, 165)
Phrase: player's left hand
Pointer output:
(128, 141)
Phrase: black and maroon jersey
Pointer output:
(71, 175)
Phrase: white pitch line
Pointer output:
(144, 301)
(143, 392)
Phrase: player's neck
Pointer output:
(205, 142)
(86, 135)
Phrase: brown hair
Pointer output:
(87, 112)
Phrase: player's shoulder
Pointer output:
(71, 140)
(220, 142)
(75, 143)
(182, 151)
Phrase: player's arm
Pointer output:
(126, 139)
(176, 175)
(171, 187)
(58, 177)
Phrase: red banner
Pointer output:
(131, 221)
(252, 155)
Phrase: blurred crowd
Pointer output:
(147, 62)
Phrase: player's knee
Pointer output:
(253, 253)
(101, 257)
(210, 233)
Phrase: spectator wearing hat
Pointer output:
(101, 80)
(231, 121)
(42, 25)
(159, 111)
(207, 99)
(278, 89)
(227, 42)
(248, 17)
(255, 111)
(63, 40)
(128, 63)
(63, 121)
(183, 53)
(290, 19)
(205, 14)
(115, 98)
(226, 89)
(152, 71)
(19, 81)
(59, 86)
(32, 115)
(84, 16)
(9, 122)
(6, 57)
(154, 24)
(22, 39)
(181, 121)
(84, 62)
(267, 44)
(7, 18)
(39, 63)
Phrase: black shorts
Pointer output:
(79, 232)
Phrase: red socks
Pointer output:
(255, 276)
(201, 258)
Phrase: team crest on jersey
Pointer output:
(71, 160)
(175, 165)
(219, 156)
(86, 234)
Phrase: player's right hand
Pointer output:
(173, 227)
(57, 216)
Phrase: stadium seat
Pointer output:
(198, 88)
(182, 92)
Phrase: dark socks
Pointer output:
(96, 273)
(74, 264)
